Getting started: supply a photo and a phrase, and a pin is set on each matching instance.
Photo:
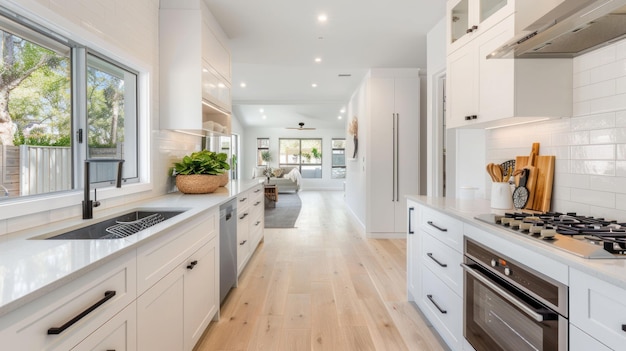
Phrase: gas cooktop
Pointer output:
(584, 236)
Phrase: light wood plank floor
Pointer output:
(321, 286)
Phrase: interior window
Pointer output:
(111, 119)
(305, 154)
(41, 134)
(338, 170)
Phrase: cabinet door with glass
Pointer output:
(466, 19)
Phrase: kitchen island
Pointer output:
(54, 281)
(439, 232)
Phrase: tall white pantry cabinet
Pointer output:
(392, 149)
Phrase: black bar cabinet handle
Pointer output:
(244, 215)
(257, 203)
(58, 330)
(436, 226)
(430, 254)
(243, 242)
(257, 190)
(624, 327)
(411, 210)
(243, 199)
(192, 264)
(430, 297)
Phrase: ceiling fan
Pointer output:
(301, 124)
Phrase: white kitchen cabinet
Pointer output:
(434, 274)
(178, 275)
(484, 92)
(119, 333)
(413, 268)
(195, 72)
(467, 19)
(581, 341)
(173, 314)
(250, 223)
(392, 148)
(598, 308)
(110, 288)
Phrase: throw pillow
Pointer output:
(278, 172)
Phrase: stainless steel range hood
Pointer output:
(572, 28)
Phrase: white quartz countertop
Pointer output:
(610, 270)
(30, 268)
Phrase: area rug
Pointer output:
(286, 212)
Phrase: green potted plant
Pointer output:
(200, 172)
(316, 154)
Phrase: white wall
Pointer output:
(249, 150)
(590, 147)
(126, 31)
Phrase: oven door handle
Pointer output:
(504, 294)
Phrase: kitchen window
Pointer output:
(61, 103)
(262, 147)
(305, 154)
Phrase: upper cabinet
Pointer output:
(485, 92)
(468, 18)
(195, 69)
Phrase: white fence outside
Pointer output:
(45, 169)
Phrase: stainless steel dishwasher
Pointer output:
(228, 247)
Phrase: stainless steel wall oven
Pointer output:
(508, 306)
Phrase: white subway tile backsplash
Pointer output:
(581, 108)
(607, 72)
(620, 50)
(620, 168)
(620, 151)
(591, 122)
(593, 152)
(594, 198)
(620, 118)
(579, 181)
(603, 136)
(595, 58)
(606, 104)
(593, 167)
(579, 138)
(608, 184)
(620, 85)
(594, 91)
(582, 79)
(608, 213)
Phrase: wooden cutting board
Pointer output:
(540, 192)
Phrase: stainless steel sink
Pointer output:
(117, 227)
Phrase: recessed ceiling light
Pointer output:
(343, 110)
(205, 70)
(314, 85)
(221, 85)
(264, 117)
(318, 59)
(320, 38)
(322, 18)
(261, 110)
(243, 85)
(338, 117)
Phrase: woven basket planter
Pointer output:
(197, 183)
(223, 179)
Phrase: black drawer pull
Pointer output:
(244, 215)
(430, 254)
(243, 242)
(411, 209)
(257, 223)
(434, 225)
(257, 203)
(430, 297)
(257, 190)
(624, 327)
(243, 199)
(192, 264)
(58, 330)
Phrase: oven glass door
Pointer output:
(499, 317)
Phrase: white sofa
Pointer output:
(288, 180)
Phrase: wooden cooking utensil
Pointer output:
(490, 172)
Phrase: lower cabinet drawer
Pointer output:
(447, 229)
(443, 308)
(159, 257)
(119, 333)
(598, 308)
(580, 341)
(443, 261)
(63, 318)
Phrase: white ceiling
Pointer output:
(274, 44)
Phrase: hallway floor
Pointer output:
(321, 286)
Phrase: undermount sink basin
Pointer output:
(117, 227)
